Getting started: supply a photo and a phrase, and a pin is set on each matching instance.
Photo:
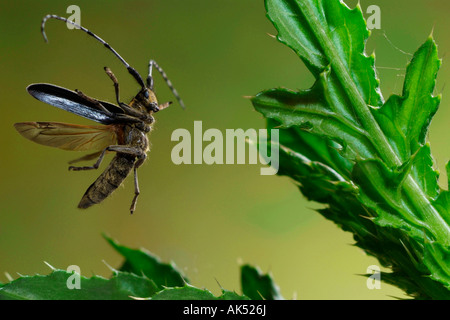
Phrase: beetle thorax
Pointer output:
(136, 137)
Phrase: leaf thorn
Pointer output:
(110, 267)
(50, 266)
(8, 276)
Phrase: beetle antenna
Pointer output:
(131, 70)
(164, 75)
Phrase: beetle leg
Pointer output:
(136, 192)
(116, 84)
(94, 101)
(126, 108)
(138, 163)
(86, 157)
(138, 153)
(95, 166)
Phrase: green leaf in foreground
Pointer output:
(189, 292)
(122, 286)
(367, 159)
(258, 286)
(142, 262)
(143, 277)
(139, 261)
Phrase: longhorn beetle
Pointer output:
(124, 127)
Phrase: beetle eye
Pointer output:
(146, 95)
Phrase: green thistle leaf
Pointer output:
(258, 286)
(141, 262)
(369, 160)
(122, 286)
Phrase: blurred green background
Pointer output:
(208, 219)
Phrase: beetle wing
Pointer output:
(69, 136)
(70, 101)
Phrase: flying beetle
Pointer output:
(124, 127)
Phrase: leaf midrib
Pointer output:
(385, 150)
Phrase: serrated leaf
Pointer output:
(309, 111)
(258, 286)
(314, 148)
(442, 203)
(368, 160)
(405, 119)
(141, 262)
(316, 180)
(382, 193)
(418, 106)
(189, 292)
(231, 295)
(122, 286)
(314, 41)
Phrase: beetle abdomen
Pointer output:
(119, 168)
